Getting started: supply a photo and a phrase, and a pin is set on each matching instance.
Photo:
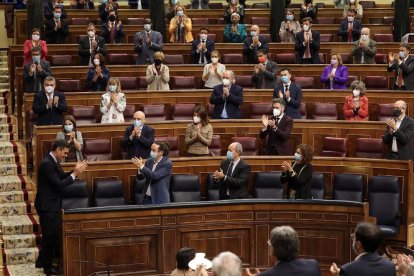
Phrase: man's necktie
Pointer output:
(286, 88)
(230, 169)
(112, 33)
(349, 32)
(202, 56)
(277, 120)
(400, 78)
(307, 50)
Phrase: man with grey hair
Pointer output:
(364, 49)
(227, 264)
(233, 174)
(285, 250)
(277, 129)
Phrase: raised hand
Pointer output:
(138, 162)
(80, 167)
(55, 101)
(265, 121)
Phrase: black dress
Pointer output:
(299, 182)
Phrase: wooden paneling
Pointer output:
(152, 251)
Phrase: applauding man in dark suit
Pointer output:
(307, 44)
(252, 44)
(350, 28)
(290, 92)
(90, 45)
(51, 179)
(227, 98)
(201, 48)
(264, 74)
(233, 175)
(403, 66)
(146, 43)
(139, 137)
(35, 72)
(277, 129)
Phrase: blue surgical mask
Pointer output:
(104, 1)
(153, 154)
(402, 54)
(68, 128)
(230, 155)
(284, 79)
(36, 59)
(253, 33)
(289, 17)
(112, 88)
(137, 123)
(174, 2)
(297, 156)
(180, 13)
(57, 15)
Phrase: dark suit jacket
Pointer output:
(195, 4)
(103, 14)
(29, 81)
(302, 267)
(56, 36)
(51, 116)
(407, 68)
(249, 53)
(313, 47)
(159, 179)
(106, 33)
(267, 78)
(404, 135)
(369, 52)
(278, 142)
(141, 145)
(237, 182)
(356, 30)
(232, 102)
(84, 49)
(51, 180)
(147, 51)
(133, 4)
(292, 107)
(195, 56)
(48, 10)
(369, 264)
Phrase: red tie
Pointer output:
(400, 78)
(307, 51)
(349, 32)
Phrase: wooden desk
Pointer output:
(144, 240)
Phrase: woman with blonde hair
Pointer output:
(213, 72)
(113, 103)
(158, 74)
(180, 26)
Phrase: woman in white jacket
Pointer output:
(113, 103)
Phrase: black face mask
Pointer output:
(396, 112)
(112, 18)
(157, 61)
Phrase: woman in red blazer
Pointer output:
(30, 43)
(356, 105)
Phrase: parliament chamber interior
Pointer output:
(94, 74)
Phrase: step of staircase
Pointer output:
(20, 255)
(14, 183)
(23, 224)
(16, 196)
(17, 208)
(20, 241)
(23, 270)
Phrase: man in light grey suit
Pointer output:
(364, 49)
(147, 43)
(264, 74)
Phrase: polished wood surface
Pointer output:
(143, 241)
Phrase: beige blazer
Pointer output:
(155, 81)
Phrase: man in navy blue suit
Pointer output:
(157, 172)
(252, 44)
(350, 28)
(290, 92)
(285, 250)
(365, 242)
(307, 44)
(201, 48)
(227, 98)
(138, 137)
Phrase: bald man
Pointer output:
(138, 137)
(252, 44)
(399, 134)
(233, 175)
(364, 49)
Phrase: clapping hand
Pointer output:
(80, 167)
(272, 123)
(218, 174)
(334, 269)
(332, 75)
(402, 262)
(49, 102)
(256, 272)
(255, 40)
(261, 67)
(32, 68)
(226, 91)
(286, 167)
(201, 271)
(55, 101)
(119, 25)
(94, 44)
(71, 136)
(391, 124)
(287, 94)
(138, 162)
(265, 121)
(280, 94)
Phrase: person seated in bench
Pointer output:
(364, 49)
(98, 75)
(147, 42)
(354, 5)
(199, 133)
(113, 103)
(227, 98)
(213, 72)
(158, 74)
(35, 72)
(234, 7)
(289, 27)
(31, 43)
(356, 104)
(253, 43)
(138, 137)
(201, 48)
(113, 29)
(235, 32)
(335, 75)
(180, 26)
(105, 8)
(56, 28)
(90, 45)
(73, 137)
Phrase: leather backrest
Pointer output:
(108, 193)
(376, 82)
(128, 83)
(232, 59)
(216, 6)
(350, 80)
(142, 83)
(285, 58)
(367, 4)
(174, 59)
(215, 146)
(305, 82)
(317, 186)
(303, 112)
(369, 148)
(268, 185)
(75, 195)
(32, 118)
(327, 38)
(118, 58)
(383, 38)
(264, 5)
(268, 38)
(326, 20)
(388, 20)
(61, 60)
(325, 111)
(384, 200)
(183, 111)
(260, 20)
(80, 21)
(249, 145)
(129, 112)
(259, 109)
(334, 147)
(83, 114)
(97, 149)
(384, 111)
(69, 85)
(199, 21)
(346, 58)
(244, 81)
(135, 21)
(381, 58)
(172, 141)
(154, 112)
(212, 37)
(212, 188)
(138, 186)
(182, 82)
(185, 188)
(348, 187)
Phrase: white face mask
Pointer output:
(364, 37)
(96, 61)
(214, 60)
(226, 82)
(112, 88)
(355, 93)
(35, 37)
(350, 18)
(49, 89)
(352, 1)
(147, 27)
(276, 112)
(91, 34)
(196, 119)
(203, 36)
(305, 28)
